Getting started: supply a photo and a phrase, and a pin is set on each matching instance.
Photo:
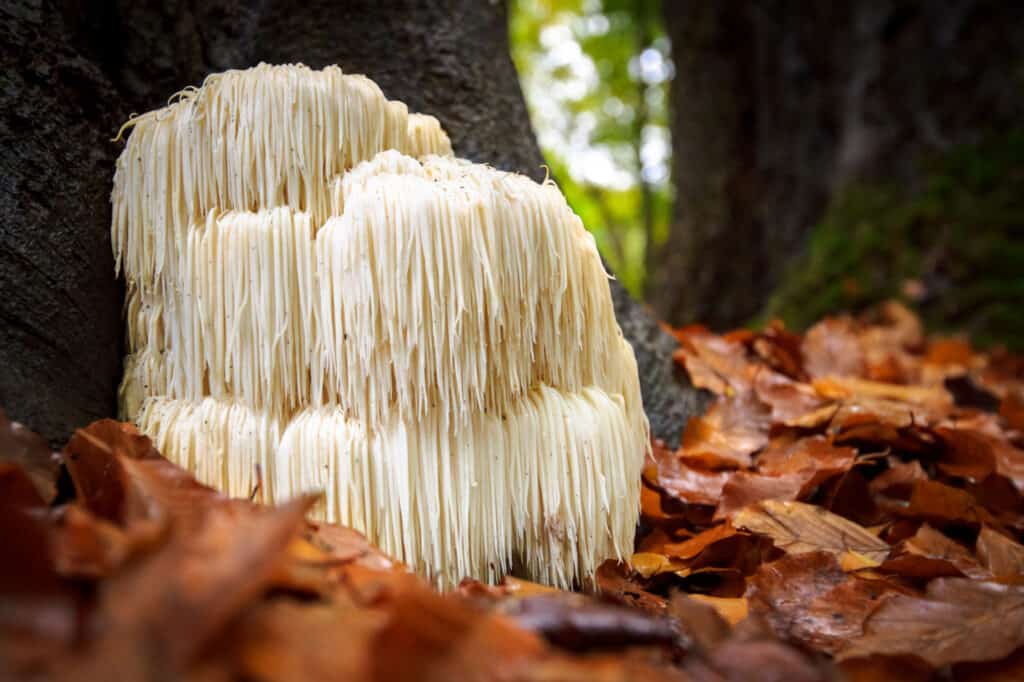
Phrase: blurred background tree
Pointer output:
(827, 155)
(595, 74)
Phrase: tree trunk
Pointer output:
(86, 71)
(778, 104)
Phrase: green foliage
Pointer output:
(954, 248)
(595, 74)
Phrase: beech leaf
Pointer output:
(957, 620)
(797, 528)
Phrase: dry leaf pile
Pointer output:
(858, 489)
(850, 506)
(126, 568)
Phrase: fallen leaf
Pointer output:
(731, 431)
(886, 668)
(691, 484)
(938, 504)
(28, 451)
(832, 347)
(578, 623)
(718, 547)
(648, 564)
(957, 620)
(845, 388)
(1012, 409)
(798, 528)
(780, 350)
(899, 478)
(999, 554)
(809, 598)
(745, 488)
(931, 554)
(732, 610)
(614, 580)
(788, 399)
(715, 363)
(816, 453)
(699, 620)
(1009, 669)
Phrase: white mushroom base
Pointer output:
(544, 489)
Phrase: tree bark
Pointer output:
(779, 104)
(86, 71)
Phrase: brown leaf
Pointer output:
(798, 528)
(613, 579)
(731, 609)
(788, 399)
(931, 399)
(968, 454)
(999, 554)
(930, 554)
(1012, 409)
(810, 599)
(34, 601)
(427, 637)
(182, 596)
(28, 451)
(17, 490)
(690, 484)
(720, 546)
(699, 620)
(727, 436)
(713, 362)
(579, 623)
(283, 640)
(958, 620)
(832, 347)
(780, 350)
(86, 546)
(744, 488)
(899, 478)
(816, 453)
(765, 660)
(1007, 670)
(886, 668)
(939, 504)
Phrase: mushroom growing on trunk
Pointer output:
(321, 297)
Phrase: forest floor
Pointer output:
(849, 506)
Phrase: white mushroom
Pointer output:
(430, 341)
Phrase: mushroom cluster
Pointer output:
(320, 296)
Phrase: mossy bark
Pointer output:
(777, 105)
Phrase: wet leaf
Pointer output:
(930, 554)
(29, 452)
(732, 610)
(745, 488)
(788, 399)
(715, 363)
(809, 598)
(727, 436)
(1002, 556)
(832, 347)
(798, 528)
(957, 620)
(691, 484)
(578, 623)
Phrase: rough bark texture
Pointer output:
(777, 104)
(70, 76)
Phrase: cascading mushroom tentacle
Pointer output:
(320, 296)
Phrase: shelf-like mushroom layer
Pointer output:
(321, 296)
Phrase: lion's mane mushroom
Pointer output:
(321, 297)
